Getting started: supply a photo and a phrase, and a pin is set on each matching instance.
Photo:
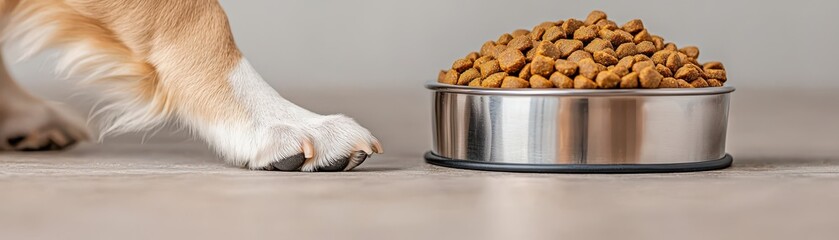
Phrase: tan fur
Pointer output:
(186, 48)
(159, 60)
(173, 50)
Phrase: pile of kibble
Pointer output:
(595, 53)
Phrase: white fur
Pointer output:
(277, 128)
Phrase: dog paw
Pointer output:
(340, 144)
(39, 128)
(325, 143)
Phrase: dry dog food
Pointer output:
(592, 53)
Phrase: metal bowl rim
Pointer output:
(440, 87)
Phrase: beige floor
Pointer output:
(784, 185)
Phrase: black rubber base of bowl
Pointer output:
(581, 168)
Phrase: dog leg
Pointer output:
(176, 60)
(28, 123)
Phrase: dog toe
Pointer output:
(291, 163)
(337, 165)
(14, 141)
(356, 158)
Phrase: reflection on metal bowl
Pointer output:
(575, 130)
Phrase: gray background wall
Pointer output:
(379, 52)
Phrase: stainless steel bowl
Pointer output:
(575, 130)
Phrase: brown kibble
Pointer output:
(451, 77)
(619, 70)
(660, 57)
(537, 81)
(597, 44)
(497, 49)
(542, 65)
(641, 36)
(467, 76)
(595, 53)
(626, 62)
(603, 57)
(475, 83)
(480, 61)
(511, 60)
(519, 32)
(649, 78)
(504, 39)
(553, 33)
(514, 82)
(536, 34)
(589, 69)
(529, 54)
(568, 46)
(607, 79)
(646, 48)
(659, 42)
(619, 37)
(717, 74)
(674, 62)
(585, 34)
(669, 83)
(486, 47)
(521, 43)
(699, 83)
(713, 65)
(691, 60)
(581, 82)
(579, 55)
(663, 70)
(473, 56)
(594, 17)
(461, 65)
(606, 24)
(626, 49)
(548, 24)
(688, 72)
(561, 81)
(494, 80)
(683, 84)
(629, 81)
(690, 51)
(568, 68)
(640, 65)
(548, 49)
(685, 58)
(605, 34)
(633, 26)
(525, 72)
(571, 25)
(543, 25)
(490, 67)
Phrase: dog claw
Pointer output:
(377, 147)
(308, 149)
